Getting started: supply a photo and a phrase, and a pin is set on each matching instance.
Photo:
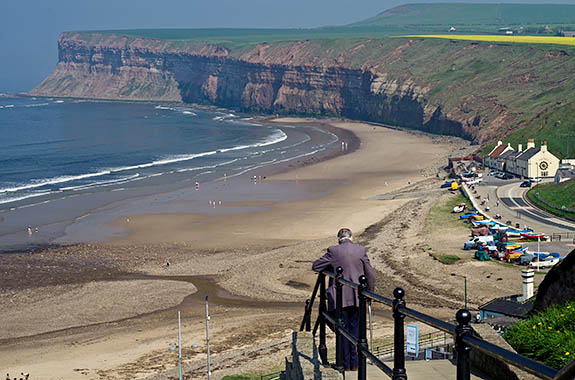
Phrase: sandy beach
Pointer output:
(110, 308)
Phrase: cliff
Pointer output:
(467, 89)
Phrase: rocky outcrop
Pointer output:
(387, 80)
(558, 286)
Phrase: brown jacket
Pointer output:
(354, 261)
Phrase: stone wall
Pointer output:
(496, 368)
(304, 362)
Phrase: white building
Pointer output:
(529, 163)
(491, 160)
(532, 162)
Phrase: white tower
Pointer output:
(527, 276)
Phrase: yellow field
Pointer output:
(513, 39)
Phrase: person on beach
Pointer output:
(354, 261)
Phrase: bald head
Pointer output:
(344, 234)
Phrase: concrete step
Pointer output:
(419, 370)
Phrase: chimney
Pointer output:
(499, 142)
(530, 143)
(544, 147)
(520, 147)
(527, 276)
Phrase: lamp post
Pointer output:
(180, 345)
(465, 287)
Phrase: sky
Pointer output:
(29, 29)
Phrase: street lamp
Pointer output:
(465, 282)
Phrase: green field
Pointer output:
(480, 16)
(236, 38)
(401, 20)
(559, 195)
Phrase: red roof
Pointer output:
(497, 151)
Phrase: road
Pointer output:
(507, 199)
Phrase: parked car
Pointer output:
(507, 176)
(535, 179)
(525, 184)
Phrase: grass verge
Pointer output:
(440, 216)
(562, 194)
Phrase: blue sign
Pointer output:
(412, 340)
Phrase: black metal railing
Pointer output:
(463, 335)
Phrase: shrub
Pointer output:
(548, 337)
(236, 377)
(449, 259)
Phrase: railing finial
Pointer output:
(339, 270)
(463, 317)
(398, 293)
(363, 280)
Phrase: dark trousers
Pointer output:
(351, 324)
(350, 316)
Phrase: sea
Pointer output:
(53, 149)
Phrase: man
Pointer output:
(354, 261)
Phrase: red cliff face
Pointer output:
(435, 86)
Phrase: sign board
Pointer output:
(412, 340)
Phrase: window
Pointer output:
(543, 174)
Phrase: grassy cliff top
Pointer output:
(401, 20)
(474, 14)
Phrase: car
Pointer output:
(535, 179)
(492, 172)
(506, 176)
(525, 184)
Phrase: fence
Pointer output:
(463, 335)
(425, 341)
(564, 236)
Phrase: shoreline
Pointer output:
(54, 231)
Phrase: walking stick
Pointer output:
(370, 326)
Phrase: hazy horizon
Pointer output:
(29, 30)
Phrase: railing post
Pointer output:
(307, 315)
(339, 319)
(362, 333)
(463, 317)
(398, 336)
(322, 349)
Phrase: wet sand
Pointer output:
(338, 190)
